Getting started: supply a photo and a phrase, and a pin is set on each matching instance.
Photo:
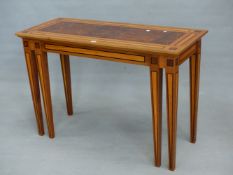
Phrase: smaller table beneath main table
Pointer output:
(154, 46)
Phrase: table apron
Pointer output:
(98, 54)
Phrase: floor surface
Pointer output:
(110, 131)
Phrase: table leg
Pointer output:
(35, 90)
(172, 102)
(42, 63)
(156, 77)
(65, 66)
(194, 63)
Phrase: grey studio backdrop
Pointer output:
(110, 131)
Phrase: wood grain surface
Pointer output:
(158, 47)
(120, 36)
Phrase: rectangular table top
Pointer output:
(114, 35)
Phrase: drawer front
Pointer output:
(95, 53)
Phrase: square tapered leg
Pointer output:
(42, 64)
(172, 102)
(34, 85)
(156, 77)
(194, 63)
(65, 67)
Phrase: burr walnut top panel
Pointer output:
(120, 36)
(115, 32)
